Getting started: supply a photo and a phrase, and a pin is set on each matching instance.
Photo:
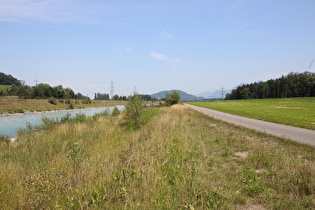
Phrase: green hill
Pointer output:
(8, 80)
(183, 95)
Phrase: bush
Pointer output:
(134, 110)
(86, 101)
(52, 101)
(115, 111)
(172, 98)
(70, 106)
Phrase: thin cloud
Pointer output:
(166, 35)
(49, 11)
(174, 62)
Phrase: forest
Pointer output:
(292, 85)
(39, 91)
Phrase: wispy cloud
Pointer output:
(174, 62)
(166, 35)
(49, 11)
(239, 32)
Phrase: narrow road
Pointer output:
(301, 135)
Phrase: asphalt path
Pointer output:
(300, 135)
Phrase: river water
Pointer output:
(9, 125)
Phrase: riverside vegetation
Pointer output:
(12, 105)
(177, 158)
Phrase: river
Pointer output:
(9, 125)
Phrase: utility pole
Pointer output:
(222, 93)
(112, 89)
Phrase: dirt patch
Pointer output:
(213, 125)
(241, 154)
(252, 207)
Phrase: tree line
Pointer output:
(292, 85)
(105, 96)
(44, 91)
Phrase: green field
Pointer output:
(177, 159)
(298, 112)
(4, 87)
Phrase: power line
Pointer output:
(112, 89)
(311, 64)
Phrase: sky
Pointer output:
(154, 45)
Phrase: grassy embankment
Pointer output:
(178, 158)
(298, 112)
(13, 105)
(4, 88)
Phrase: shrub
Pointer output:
(70, 106)
(86, 101)
(134, 110)
(52, 101)
(115, 111)
(172, 98)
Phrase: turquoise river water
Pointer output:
(9, 125)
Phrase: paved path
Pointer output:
(301, 135)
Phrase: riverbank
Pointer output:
(177, 159)
(13, 106)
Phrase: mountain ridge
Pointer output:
(183, 95)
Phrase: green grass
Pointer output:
(177, 159)
(298, 112)
(4, 87)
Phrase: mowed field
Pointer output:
(177, 159)
(298, 112)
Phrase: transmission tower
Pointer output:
(222, 93)
(112, 89)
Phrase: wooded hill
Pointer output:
(8, 80)
(292, 85)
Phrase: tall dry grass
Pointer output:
(177, 159)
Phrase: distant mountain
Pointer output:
(214, 94)
(183, 95)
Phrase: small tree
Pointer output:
(134, 110)
(172, 98)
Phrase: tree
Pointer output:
(172, 98)
(115, 97)
(134, 110)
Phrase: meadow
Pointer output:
(298, 112)
(177, 159)
(4, 88)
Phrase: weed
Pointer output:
(115, 111)
(74, 155)
(254, 185)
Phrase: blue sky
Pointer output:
(194, 46)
